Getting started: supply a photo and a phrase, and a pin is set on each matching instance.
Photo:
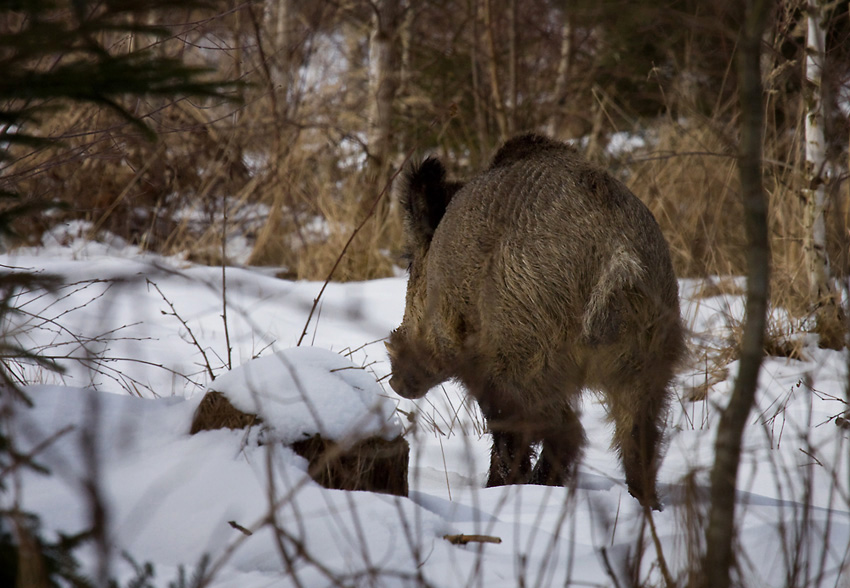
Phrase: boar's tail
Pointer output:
(425, 194)
(603, 315)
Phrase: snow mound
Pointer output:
(304, 391)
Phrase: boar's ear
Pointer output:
(424, 196)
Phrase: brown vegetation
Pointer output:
(216, 412)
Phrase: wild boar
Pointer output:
(539, 278)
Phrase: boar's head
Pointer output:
(412, 348)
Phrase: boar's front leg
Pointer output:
(510, 456)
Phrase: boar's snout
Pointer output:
(410, 379)
(397, 386)
(404, 390)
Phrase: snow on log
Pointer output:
(330, 411)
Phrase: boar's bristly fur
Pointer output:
(539, 278)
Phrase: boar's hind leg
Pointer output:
(563, 442)
(638, 414)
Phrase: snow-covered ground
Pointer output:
(143, 337)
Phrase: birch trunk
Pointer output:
(279, 73)
(383, 83)
(822, 295)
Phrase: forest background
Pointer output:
(337, 96)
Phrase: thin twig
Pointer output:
(186, 325)
(27, 458)
(351, 352)
(659, 550)
(224, 287)
(356, 230)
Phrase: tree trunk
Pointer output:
(480, 118)
(822, 296)
(237, 50)
(495, 89)
(406, 38)
(556, 117)
(283, 43)
(720, 533)
(513, 89)
(383, 83)
(594, 149)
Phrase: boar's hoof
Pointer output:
(652, 503)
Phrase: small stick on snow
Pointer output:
(464, 539)
(240, 528)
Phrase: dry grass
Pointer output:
(197, 186)
(279, 175)
(216, 412)
(373, 464)
(313, 213)
(689, 180)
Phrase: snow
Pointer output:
(304, 391)
(622, 143)
(140, 338)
